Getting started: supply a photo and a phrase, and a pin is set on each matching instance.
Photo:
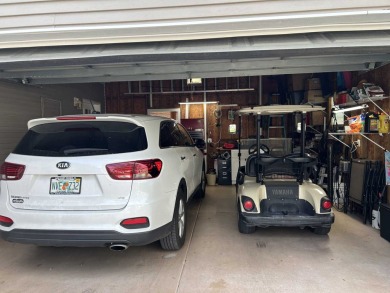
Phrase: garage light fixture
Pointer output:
(360, 107)
(194, 81)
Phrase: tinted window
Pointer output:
(166, 138)
(173, 134)
(185, 138)
(82, 139)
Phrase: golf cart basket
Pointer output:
(289, 166)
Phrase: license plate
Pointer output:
(65, 185)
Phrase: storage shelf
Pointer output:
(363, 134)
(362, 101)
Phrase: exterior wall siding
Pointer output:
(68, 22)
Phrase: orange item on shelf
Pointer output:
(356, 124)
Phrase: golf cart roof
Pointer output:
(280, 109)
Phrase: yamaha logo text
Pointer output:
(282, 192)
(63, 165)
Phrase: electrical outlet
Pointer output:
(358, 143)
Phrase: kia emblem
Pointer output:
(63, 165)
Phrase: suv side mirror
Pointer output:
(200, 143)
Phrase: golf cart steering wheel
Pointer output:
(253, 149)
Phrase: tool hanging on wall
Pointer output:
(218, 114)
(231, 114)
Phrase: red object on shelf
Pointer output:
(227, 145)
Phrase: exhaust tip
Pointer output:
(118, 247)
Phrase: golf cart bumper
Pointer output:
(260, 220)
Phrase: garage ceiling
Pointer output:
(53, 42)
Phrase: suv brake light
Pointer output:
(10, 171)
(135, 170)
(76, 118)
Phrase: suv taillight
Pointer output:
(135, 170)
(9, 171)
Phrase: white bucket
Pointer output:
(211, 179)
(375, 219)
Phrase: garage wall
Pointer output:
(36, 23)
(20, 103)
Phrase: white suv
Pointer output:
(100, 180)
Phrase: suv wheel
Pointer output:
(321, 230)
(175, 240)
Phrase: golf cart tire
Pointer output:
(244, 228)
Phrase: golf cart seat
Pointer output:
(292, 165)
(252, 162)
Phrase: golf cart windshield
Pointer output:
(295, 165)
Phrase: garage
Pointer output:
(207, 64)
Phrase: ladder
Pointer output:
(321, 176)
(276, 122)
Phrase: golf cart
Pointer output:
(276, 190)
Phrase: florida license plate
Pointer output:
(65, 185)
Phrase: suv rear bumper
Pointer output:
(288, 220)
(84, 238)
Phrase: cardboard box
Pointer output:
(317, 118)
(296, 82)
(313, 84)
(314, 96)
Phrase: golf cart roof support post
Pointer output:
(239, 139)
(303, 133)
(258, 126)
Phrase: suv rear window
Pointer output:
(85, 138)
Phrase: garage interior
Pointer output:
(198, 63)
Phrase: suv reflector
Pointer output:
(135, 170)
(10, 171)
(5, 221)
(134, 223)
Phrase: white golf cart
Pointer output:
(276, 190)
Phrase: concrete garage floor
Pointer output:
(215, 258)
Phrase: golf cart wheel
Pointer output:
(321, 230)
(245, 228)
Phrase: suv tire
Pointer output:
(176, 238)
(202, 186)
(321, 230)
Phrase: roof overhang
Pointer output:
(249, 56)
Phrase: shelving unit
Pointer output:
(336, 135)
(363, 101)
